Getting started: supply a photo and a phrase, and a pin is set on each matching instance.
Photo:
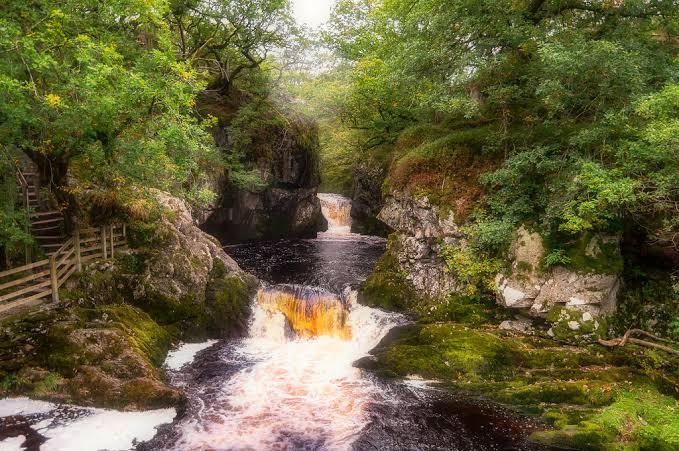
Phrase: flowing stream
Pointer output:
(291, 384)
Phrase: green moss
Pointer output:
(594, 397)
(638, 418)
(387, 286)
(147, 234)
(228, 300)
(588, 253)
(143, 333)
(471, 310)
(570, 326)
(184, 317)
(450, 351)
(48, 385)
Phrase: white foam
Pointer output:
(94, 429)
(307, 388)
(106, 429)
(12, 443)
(24, 406)
(185, 354)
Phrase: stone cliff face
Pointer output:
(420, 230)
(565, 296)
(285, 156)
(367, 199)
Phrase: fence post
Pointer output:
(54, 279)
(112, 240)
(103, 242)
(78, 261)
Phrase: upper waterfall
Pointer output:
(337, 210)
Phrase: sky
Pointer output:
(312, 12)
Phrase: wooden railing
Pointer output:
(23, 183)
(37, 281)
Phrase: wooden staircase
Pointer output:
(47, 225)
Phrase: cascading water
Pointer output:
(299, 391)
(337, 211)
(291, 383)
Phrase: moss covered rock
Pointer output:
(186, 281)
(594, 398)
(538, 284)
(106, 356)
(387, 286)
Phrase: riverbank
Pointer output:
(104, 344)
(592, 398)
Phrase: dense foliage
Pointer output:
(102, 96)
(566, 112)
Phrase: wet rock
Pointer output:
(284, 204)
(367, 198)
(523, 325)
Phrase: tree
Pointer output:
(95, 91)
(227, 38)
(565, 97)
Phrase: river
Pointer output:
(291, 384)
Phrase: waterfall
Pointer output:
(301, 390)
(310, 311)
(337, 210)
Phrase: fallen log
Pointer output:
(627, 338)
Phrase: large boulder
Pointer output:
(420, 231)
(538, 292)
(187, 280)
(106, 356)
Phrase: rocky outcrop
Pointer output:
(528, 287)
(187, 280)
(367, 199)
(105, 342)
(107, 356)
(420, 231)
(282, 203)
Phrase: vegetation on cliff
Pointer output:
(561, 116)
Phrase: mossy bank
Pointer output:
(105, 342)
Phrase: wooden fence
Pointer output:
(34, 282)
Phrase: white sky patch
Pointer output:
(185, 354)
(106, 429)
(312, 12)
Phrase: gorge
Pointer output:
(418, 225)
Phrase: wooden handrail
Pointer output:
(40, 282)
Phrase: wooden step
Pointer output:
(46, 213)
(57, 245)
(44, 229)
(47, 221)
(49, 237)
